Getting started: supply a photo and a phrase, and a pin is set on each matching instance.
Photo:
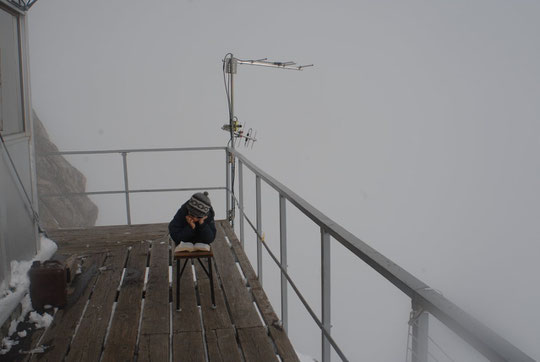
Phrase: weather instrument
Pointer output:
(239, 134)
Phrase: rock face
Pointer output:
(56, 176)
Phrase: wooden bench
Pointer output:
(178, 256)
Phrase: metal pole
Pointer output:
(126, 187)
(231, 84)
(259, 227)
(420, 334)
(325, 292)
(241, 200)
(228, 186)
(283, 261)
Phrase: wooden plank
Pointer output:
(60, 333)
(256, 345)
(122, 339)
(243, 260)
(222, 345)
(121, 233)
(153, 348)
(283, 344)
(243, 313)
(111, 229)
(217, 318)
(33, 343)
(188, 347)
(88, 342)
(187, 319)
(154, 339)
(192, 254)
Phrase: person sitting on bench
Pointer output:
(193, 227)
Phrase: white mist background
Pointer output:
(418, 130)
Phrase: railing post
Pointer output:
(259, 227)
(241, 200)
(325, 292)
(420, 334)
(126, 187)
(283, 261)
(228, 186)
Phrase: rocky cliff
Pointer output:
(56, 176)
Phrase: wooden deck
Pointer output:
(121, 308)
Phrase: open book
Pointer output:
(183, 246)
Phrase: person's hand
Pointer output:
(201, 220)
(190, 220)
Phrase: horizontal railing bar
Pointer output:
(293, 285)
(132, 191)
(491, 345)
(134, 150)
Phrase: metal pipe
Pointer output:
(283, 261)
(126, 187)
(259, 228)
(420, 333)
(241, 200)
(228, 187)
(135, 150)
(67, 194)
(325, 292)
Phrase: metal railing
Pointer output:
(425, 300)
(127, 191)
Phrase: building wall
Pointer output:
(18, 230)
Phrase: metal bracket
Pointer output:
(415, 314)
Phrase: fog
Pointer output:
(418, 130)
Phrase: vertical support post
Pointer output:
(325, 292)
(232, 168)
(420, 334)
(227, 186)
(259, 227)
(283, 261)
(126, 187)
(241, 200)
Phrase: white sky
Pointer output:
(418, 130)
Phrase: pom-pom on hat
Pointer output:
(199, 205)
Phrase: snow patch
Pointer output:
(7, 343)
(19, 282)
(41, 320)
(39, 349)
(22, 334)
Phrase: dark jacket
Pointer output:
(181, 231)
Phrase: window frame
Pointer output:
(22, 129)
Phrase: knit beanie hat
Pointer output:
(199, 205)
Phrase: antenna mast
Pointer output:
(230, 67)
(235, 129)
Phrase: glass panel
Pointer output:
(11, 106)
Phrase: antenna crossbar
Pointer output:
(266, 63)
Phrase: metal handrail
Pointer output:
(260, 240)
(135, 150)
(487, 342)
(424, 298)
(127, 191)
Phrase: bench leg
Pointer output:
(178, 284)
(211, 283)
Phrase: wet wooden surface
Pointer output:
(122, 305)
